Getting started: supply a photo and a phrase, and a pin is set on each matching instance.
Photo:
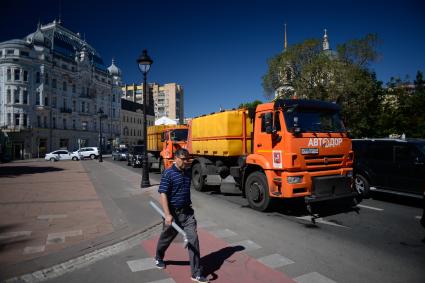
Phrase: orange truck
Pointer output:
(163, 141)
(280, 150)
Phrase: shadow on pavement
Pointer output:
(213, 261)
(15, 171)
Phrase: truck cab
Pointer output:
(302, 149)
(172, 140)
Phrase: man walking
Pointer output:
(174, 191)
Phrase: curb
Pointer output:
(77, 257)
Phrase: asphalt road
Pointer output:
(379, 241)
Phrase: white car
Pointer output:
(61, 155)
(88, 152)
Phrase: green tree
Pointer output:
(250, 104)
(341, 77)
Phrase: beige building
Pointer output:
(132, 122)
(168, 99)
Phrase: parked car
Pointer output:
(120, 154)
(61, 155)
(88, 152)
(391, 165)
(134, 157)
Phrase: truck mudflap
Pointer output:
(327, 188)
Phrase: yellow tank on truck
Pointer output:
(226, 133)
(154, 136)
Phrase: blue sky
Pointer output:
(218, 50)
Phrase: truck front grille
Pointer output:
(323, 162)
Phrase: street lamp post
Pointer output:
(101, 116)
(144, 62)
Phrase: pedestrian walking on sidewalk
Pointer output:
(174, 191)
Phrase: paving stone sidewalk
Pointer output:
(46, 207)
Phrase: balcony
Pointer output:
(65, 110)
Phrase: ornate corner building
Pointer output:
(52, 85)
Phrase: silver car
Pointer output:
(61, 155)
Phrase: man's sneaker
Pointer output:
(159, 263)
(200, 279)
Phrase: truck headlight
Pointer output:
(294, 179)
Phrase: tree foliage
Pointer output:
(341, 77)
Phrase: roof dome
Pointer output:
(38, 37)
(114, 70)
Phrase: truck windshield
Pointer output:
(178, 135)
(313, 120)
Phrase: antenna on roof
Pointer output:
(60, 12)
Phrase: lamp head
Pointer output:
(144, 62)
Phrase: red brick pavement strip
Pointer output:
(222, 262)
(47, 198)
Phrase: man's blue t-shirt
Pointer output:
(176, 185)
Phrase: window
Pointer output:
(84, 125)
(25, 54)
(64, 103)
(54, 83)
(9, 118)
(73, 88)
(46, 78)
(25, 76)
(74, 106)
(46, 101)
(39, 121)
(45, 122)
(113, 98)
(64, 123)
(16, 96)
(9, 74)
(17, 76)
(64, 86)
(83, 106)
(54, 102)
(73, 124)
(37, 98)
(10, 51)
(37, 77)
(25, 96)
(113, 113)
(9, 98)
(25, 122)
(17, 119)
(267, 117)
(54, 122)
(64, 67)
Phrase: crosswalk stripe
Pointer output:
(223, 233)
(313, 277)
(275, 260)
(168, 280)
(141, 264)
(247, 244)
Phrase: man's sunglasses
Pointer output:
(183, 158)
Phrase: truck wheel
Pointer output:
(197, 179)
(257, 191)
(161, 166)
(362, 186)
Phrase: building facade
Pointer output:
(168, 99)
(132, 122)
(52, 85)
